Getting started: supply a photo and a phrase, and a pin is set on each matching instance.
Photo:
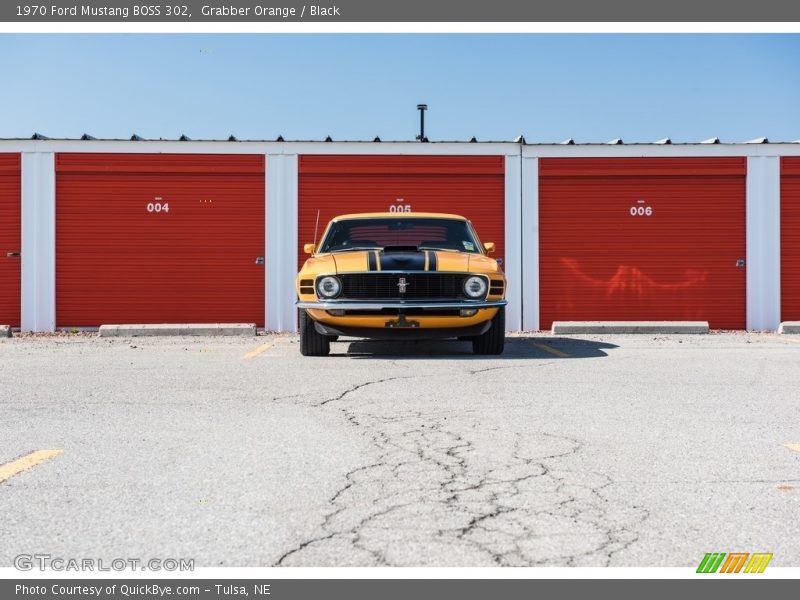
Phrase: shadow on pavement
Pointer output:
(518, 347)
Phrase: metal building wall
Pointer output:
(790, 238)
(10, 238)
(642, 239)
(159, 238)
(521, 213)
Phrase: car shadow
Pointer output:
(534, 347)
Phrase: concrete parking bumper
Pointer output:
(178, 329)
(5, 330)
(579, 327)
(789, 327)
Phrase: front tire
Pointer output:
(312, 343)
(494, 340)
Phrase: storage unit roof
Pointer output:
(520, 140)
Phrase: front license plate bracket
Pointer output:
(402, 323)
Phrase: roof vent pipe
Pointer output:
(422, 108)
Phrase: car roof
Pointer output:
(395, 215)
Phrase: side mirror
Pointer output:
(309, 248)
(489, 247)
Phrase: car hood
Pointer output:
(409, 260)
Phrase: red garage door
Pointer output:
(472, 186)
(790, 239)
(159, 238)
(10, 239)
(643, 239)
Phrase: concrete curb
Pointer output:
(562, 327)
(789, 327)
(176, 329)
(5, 330)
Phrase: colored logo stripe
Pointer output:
(733, 564)
(758, 563)
(711, 562)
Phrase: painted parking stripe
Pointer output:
(795, 447)
(15, 467)
(551, 350)
(256, 351)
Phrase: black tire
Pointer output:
(333, 338)
(494, 340)
(312, 343)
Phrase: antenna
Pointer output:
(316, 225)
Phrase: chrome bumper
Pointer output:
(356, 305)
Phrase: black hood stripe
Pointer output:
(432, 261)
(401, 261)
(372, 261)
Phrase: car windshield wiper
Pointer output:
(354, 248)
(437, 248)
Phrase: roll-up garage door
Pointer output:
(790, 238)
(159, 238)
(10, 239)
(643, 239)
(472, 186)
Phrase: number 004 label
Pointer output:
(157, 207)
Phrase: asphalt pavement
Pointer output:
(586, 450)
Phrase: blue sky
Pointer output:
(549, 87)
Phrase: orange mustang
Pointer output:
(401, 276)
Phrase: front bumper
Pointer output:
(430, 333)
(377, 306)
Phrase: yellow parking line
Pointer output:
(15, 467)
(257, 351)
(795, 447)
(551, 350)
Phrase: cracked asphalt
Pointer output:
(583, 451)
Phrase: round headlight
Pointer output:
(329, 287)
(475, 287)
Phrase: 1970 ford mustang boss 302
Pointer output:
(401, 276)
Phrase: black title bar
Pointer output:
(732, 588)
(366, 11)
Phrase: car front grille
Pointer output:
(387, 286)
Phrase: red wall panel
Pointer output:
(119, 260)
(10, 238)
(642, 239)
(472, 186)
(790, 239)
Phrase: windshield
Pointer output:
(433, 233)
